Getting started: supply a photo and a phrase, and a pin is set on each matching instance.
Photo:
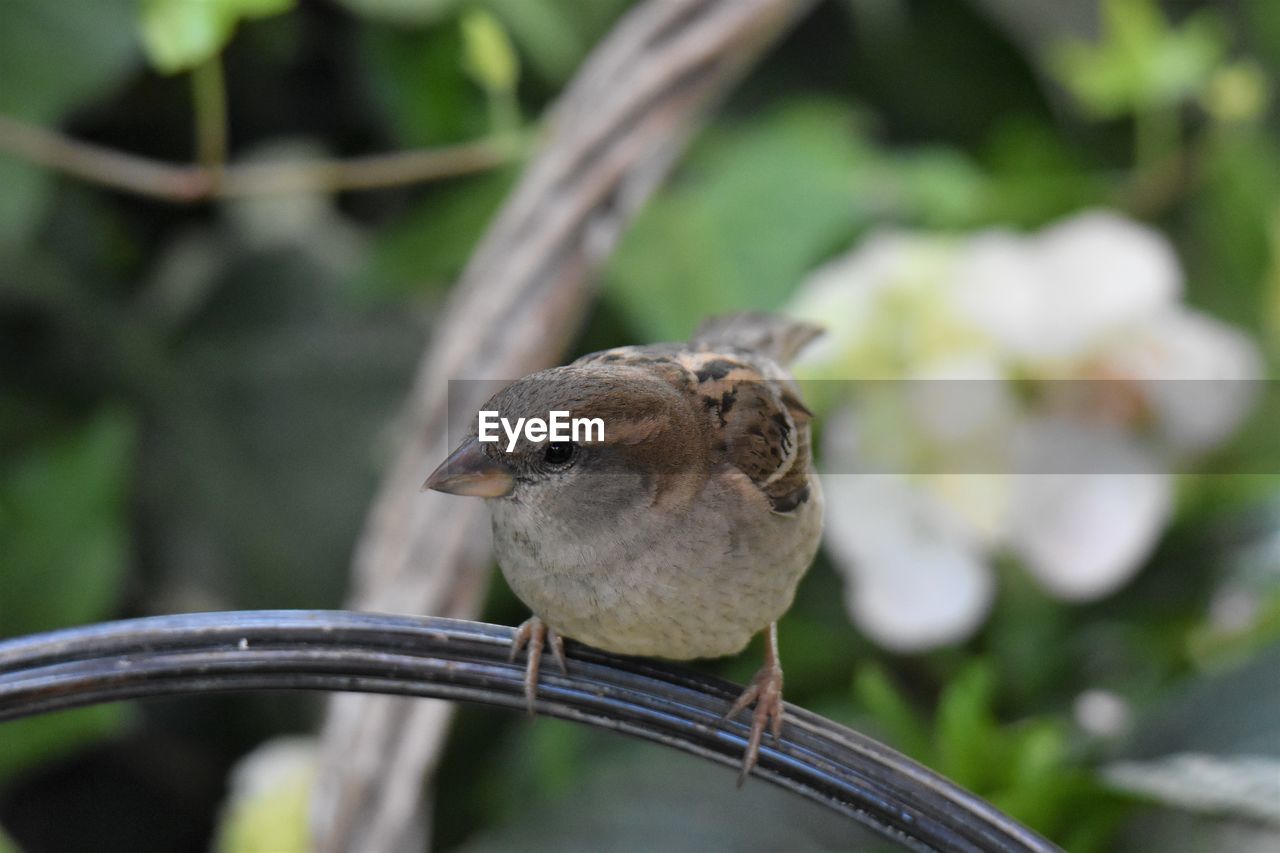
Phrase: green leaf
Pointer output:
(63, 553)
(1141, 62)
(1036, 176)
(556, 34)
(488, 55)
(944, 186)
(1261, 20)
(1228, 713)
(1038, 777)
(54, 57)
(63, 531)
(969, 742)
(38, 740)
(905, 729)
(180, 34)
(755, 208)
(1231, 224)
(417, 79)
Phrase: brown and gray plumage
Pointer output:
(685, 532)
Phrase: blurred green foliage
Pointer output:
(195, 402)
(62, 514)
(64, 541)
(1025, 768)
(54, 58)
(800, 164)
(488, 55)
(180, 34)
(1142, 62)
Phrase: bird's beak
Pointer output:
(468, 471)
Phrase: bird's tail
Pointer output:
(778, 337)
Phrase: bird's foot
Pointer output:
(765, 692)
(534, 633)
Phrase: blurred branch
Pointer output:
(1149, 191)
(611, 138)
(188, 184)
(209, 96)
(467, 661)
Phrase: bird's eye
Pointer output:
(559, 452)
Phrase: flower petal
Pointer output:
(1059, 294)
(1083, 535)
(915, 579)
(1197, 373)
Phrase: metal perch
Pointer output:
(467, 661)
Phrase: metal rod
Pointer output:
(467, 661)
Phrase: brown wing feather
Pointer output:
(730, 369)
(771, 335)
(763, 427)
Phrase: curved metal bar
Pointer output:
(467, 661)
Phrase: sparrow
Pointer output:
(682, 532)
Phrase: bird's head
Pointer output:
(637, 440)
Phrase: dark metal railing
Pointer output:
(467, 661)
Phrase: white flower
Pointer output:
(1197, 373)
(1057, 295)
(930, 477)
(917, 576)
(1102, 713)
(1084, 532)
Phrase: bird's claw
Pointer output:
(765, 692)
(534, 633)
